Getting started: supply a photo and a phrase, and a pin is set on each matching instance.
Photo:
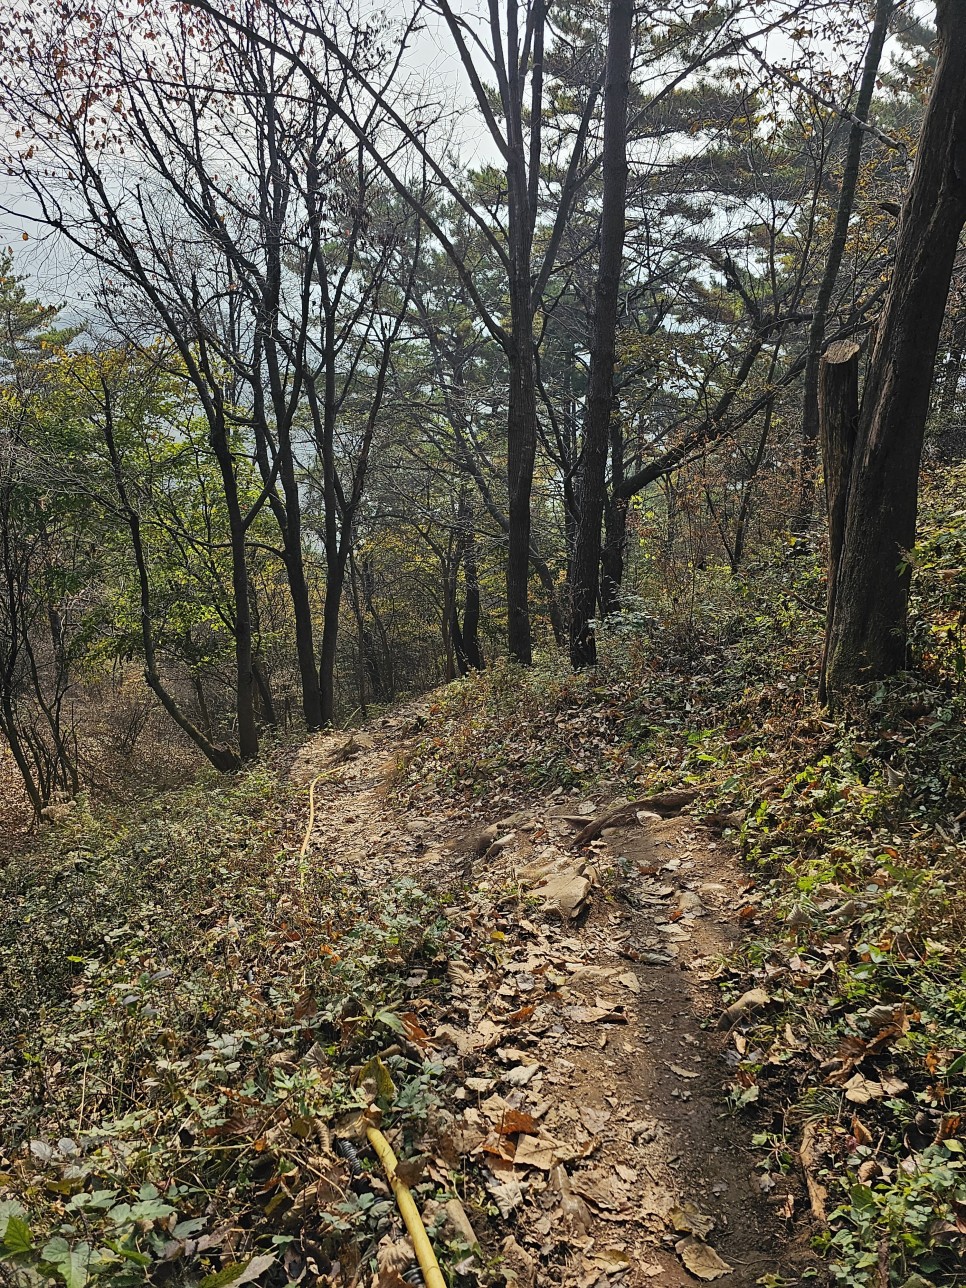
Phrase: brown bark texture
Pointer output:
(585, 570)
(867, 629)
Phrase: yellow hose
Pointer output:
(328, 773)
(425, 1255)
(410, 1213)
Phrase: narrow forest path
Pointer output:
(582, 1036)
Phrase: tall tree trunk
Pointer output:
(244, 646)
(522, 409)
(334, 585)
(867, 630)
(288, 516)
(354, 596)
(264, 691)
(521, 454)
(816, 330)
(838, 422)
(612, 555)
(585, 573)
(203, 711)
(299, 589)
(470, 633)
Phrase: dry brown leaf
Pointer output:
(393, 1255)
(701, 1260)
(595, 1120)
(687, 1219)
(489, 1035)
(507, 1195)
(519, 1268)
(515, 1122)
(536, 1151)
(599, 1187)
(860, 1090)
(414, 1030)
(860, 1131)
(809, 1154)
(611, 1260)
(517, 1017)
(892, 1085)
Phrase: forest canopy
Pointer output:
(369, 376)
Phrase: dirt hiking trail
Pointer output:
(583, 1038)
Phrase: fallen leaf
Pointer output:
(374, 1076)
(682, 1072)
(414, 1030)
(687, 1219)
(702, 1261)
(519, 1268)
(489, 1035)
(248, 1271)
(536, 1151)
(611, 1260)
(514, 1122)
(892, 1085)
(600, 1188)
(595, 1120)
(860, 1090)
(524, 1013)
(860, 1131)
(410, 1170)
(507, 1196)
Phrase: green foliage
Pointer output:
(184, 1010)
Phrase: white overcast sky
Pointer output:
(431, 60)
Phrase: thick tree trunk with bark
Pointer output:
(838, 421)
(585, 571)
(867, 630)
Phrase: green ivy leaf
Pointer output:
(16, 1237)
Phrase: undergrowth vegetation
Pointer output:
(186, 1009)
(851, 825)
